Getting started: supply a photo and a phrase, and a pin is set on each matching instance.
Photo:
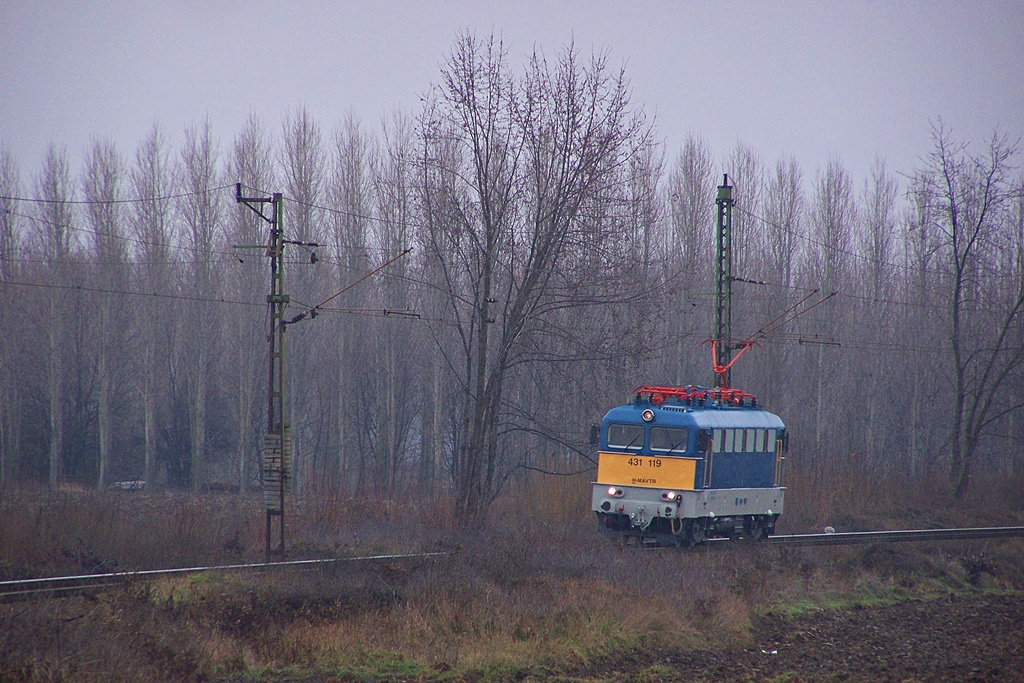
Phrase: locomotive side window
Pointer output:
(741, 440)
(703, 440)
(669, 439)
(625, 436)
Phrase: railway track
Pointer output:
(855, 537)
(60, 586)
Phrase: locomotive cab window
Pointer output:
(625, 436)
(669, 439)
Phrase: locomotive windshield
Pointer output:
(669, 439)
(625, 436)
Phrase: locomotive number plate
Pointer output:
(623, 469)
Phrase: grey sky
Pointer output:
(813, 80)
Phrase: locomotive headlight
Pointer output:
(670, 496)
(647, 415)
(615, 492)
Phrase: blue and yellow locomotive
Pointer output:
(679, 464)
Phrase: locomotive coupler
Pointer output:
(637, 518)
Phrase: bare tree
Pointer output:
(152, 184)
(690, 184)
(784, 209)
(437, 192)
(1016, 426)
(252, 165)
(834, 215)
(10, 399)
(879, 218)
(303, 170)
(101, 187)
(919, 288)
(746, 173)
(878, 313)
(644, 209)
(393, 191)
(201, 210)
(985, 317)
(534, 152)
(350, 196)
(54, 192)
(687, 266)
(784, 226)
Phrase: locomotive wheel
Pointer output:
(694, 531)
(755, 529)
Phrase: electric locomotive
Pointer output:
(677, 465)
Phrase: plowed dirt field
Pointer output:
(963, 638)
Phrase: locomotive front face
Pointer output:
(678, 470)
(652, 456)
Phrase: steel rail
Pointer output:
(853, 537)
(14, 588)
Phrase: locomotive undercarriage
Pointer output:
(650, 516)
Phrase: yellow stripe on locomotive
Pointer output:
(626, 469)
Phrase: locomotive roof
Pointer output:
(712, 417)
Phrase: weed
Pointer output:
(787, 677)
(655, 673)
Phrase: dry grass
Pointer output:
(852, 498)
(536, 593)
(71, 531)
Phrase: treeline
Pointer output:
(559, 258)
